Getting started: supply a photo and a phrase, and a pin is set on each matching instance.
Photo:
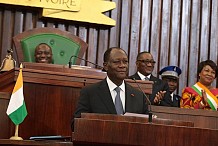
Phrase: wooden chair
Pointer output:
(63, 44)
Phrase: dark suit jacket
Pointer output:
(176, 100)
(158, 85)
(96, 98)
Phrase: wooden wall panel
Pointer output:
(184, 40)
(179, 33)
(125, 24)
(155, 32)
(214, 33)
(6, 32)
(115, 31)
(1, 21)
(92, 41)
(165, 33)
(83, 35)
(175, 29)
(145, 26)
(194, 42)
(134, 34)
(18, 20)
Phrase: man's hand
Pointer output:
(159, 96)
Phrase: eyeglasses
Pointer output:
(147, 61)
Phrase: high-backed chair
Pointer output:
(64, 44)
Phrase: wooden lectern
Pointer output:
(117, 130)
(200, 118)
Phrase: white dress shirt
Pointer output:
(143, 77)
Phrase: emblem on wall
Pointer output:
(90, 11)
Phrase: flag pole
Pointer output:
(16, 137)
(16, 108)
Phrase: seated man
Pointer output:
(43, 53)
(170, 74)
(145, 66)
(112, 95)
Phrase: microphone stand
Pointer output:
(70, 62)
(148, 101)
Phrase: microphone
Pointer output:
(70, 62)
(148, 101)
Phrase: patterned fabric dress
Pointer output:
(191, 99)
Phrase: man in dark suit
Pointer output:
(170, 74)
(102, 98)
(145, 66)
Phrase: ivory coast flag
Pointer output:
(17, 108)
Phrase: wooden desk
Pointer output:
(200, 118)
(51, 93)
(7, 142)
(113, 131)
(136, 118)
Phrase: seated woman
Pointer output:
(43, 53)
(202, 95)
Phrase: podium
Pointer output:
(200, 118)
(51, 93)
(119, 130)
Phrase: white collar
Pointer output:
(112, 86)
(143, 76)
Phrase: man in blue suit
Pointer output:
(170, 74)
(102, 98)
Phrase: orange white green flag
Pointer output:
(17, 108)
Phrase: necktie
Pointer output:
(118, 103)
(146, 78)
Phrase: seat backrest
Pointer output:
(64, 44)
